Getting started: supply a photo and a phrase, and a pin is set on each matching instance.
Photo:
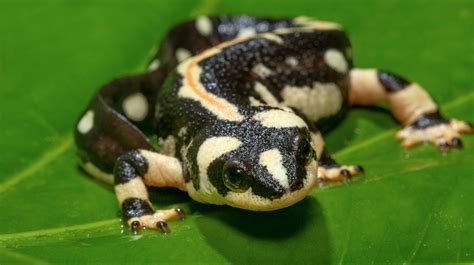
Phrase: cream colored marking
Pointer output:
(255, 102)
(273, 162)
(163, 171)
(334, 174)
(134, 188)
(149, 221)
(411, 102)
(291, 61)
(86, 123)
(209, 151)
(442, 133)
(276, 118)
(193, 89)
(204, 25)
(94, 171)
(365, 88)
(184, 153)
(316, 24)
(335, 59)
(135, 107)
(154, 65)
(317, 142)
(168, 145)
(246, 32)
(262, 71)
(266, 95)
(319, 101)
(249, 201)
(182, 54)
(271, 36)
(182, 132)
(301, 20)
(308, 25)
(284, 31)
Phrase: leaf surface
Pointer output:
(411, 206)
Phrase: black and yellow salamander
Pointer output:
(236, 103)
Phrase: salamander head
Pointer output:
(266, 162)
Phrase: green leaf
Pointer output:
(411, 206)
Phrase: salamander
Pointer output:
(238, 105)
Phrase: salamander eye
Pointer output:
(304, 150)
(235, 177)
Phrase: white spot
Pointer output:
(335, 59)
(204, 25)
(319, 101)
(276, 118)
(209, 151)
(154, 65)
(135, 107)
(261, 70)
(273, 161)
(86, 123)
(266, 95)
(291, 61)
(182, 54)
(246, 32)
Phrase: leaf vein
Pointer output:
(56, 230)
(40, 163)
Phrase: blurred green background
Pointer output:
(412, 206)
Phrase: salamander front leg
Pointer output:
(411, 105)
(131, 172)
(329, 170)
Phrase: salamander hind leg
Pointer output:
(411, 105)
(135, 169)
(432, 127)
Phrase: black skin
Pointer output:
(130, 166)
(135, 207)
(307, 47)
(391, 82)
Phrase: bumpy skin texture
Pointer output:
(236, 102)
